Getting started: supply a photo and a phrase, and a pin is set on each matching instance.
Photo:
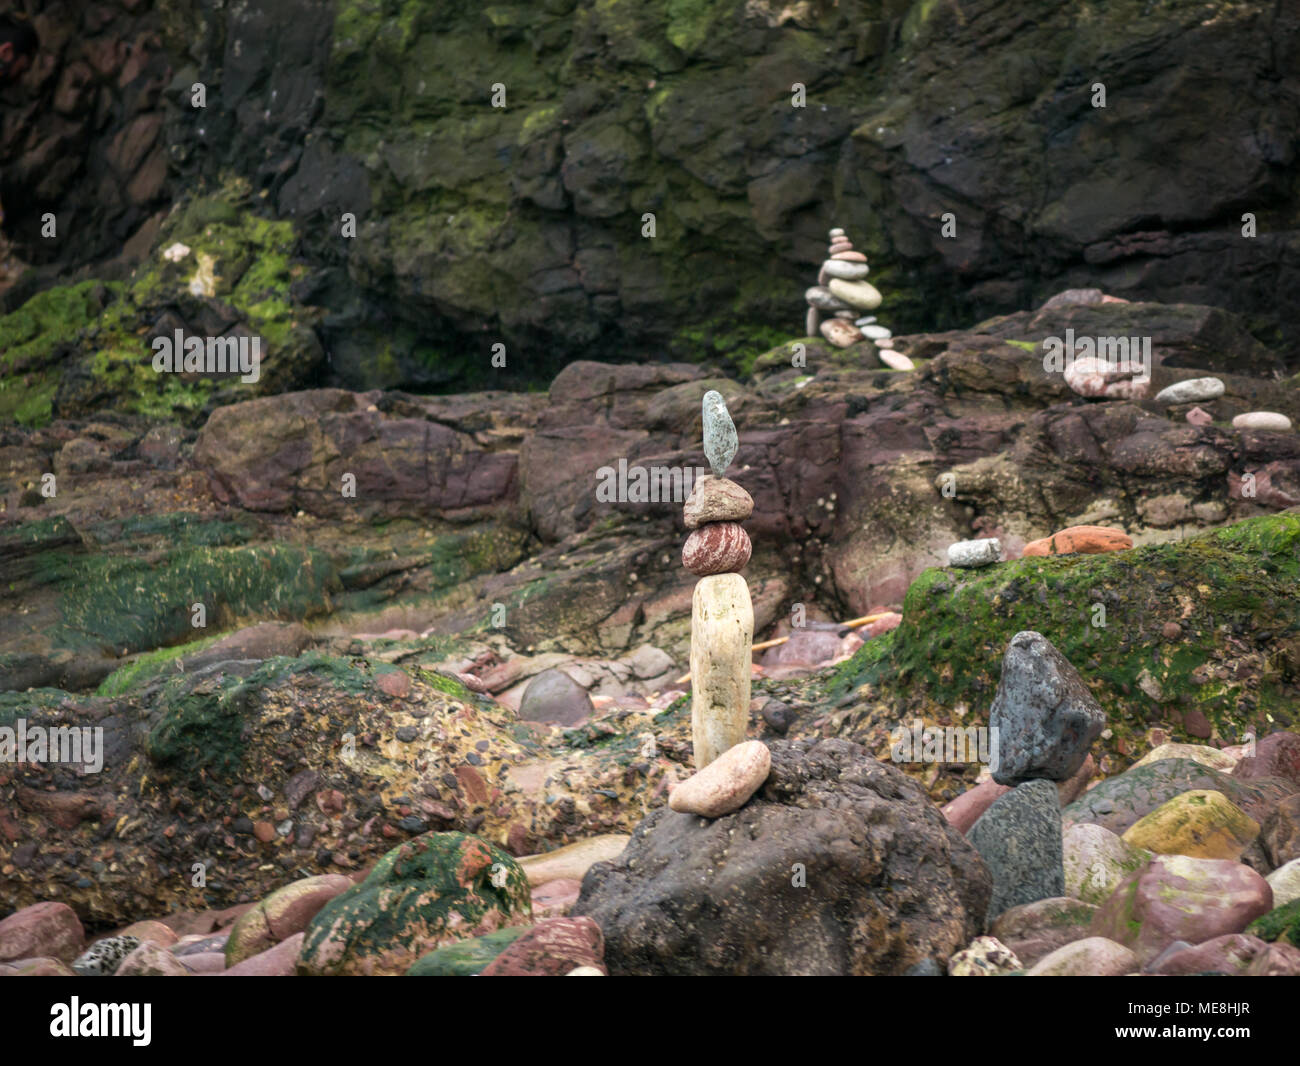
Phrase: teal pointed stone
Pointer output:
(720, 441)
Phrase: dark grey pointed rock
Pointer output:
(1019, 839)
(720, 441)
(1044, 716)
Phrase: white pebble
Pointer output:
(1262, 420)
(974, 553)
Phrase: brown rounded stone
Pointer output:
(1197, 725)
(852, 257)
(716, 548)
(716, 499)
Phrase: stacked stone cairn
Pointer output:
(843, 293)
(722, 616)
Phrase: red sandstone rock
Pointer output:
(43, 930)
(1084, 540)
(552, 948)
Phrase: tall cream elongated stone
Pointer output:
(722, 634)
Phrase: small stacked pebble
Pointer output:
(717, 544)
(843, 293)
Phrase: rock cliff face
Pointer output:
(524, 224)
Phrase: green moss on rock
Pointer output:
(134, 604)
(149, 665)
(35, 338)
(1281, 924)
(468, 958)
(433, 890)
(201, 725)
(76, 349)
(1106, 614)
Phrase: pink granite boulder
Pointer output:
(50, 930)
(1176, 897)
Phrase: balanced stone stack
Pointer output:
(722, 616)
(843, 293)
(1044, 719)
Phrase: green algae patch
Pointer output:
(468, 958)
(171, 529)
(136, 604)
(75, 349)
(1282, 924)
(431, 891)
(149, 665)
(200, 730)
(34, 341)
(448, 686)
(15, 705)
(1230, 592)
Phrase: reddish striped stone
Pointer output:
(716, 548)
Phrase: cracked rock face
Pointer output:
(837, 865)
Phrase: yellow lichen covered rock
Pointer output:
(1202, 823)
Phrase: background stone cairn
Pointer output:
(843, 293)
(722, 616)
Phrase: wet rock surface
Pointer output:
(827, 809)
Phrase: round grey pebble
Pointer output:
(1195, 390)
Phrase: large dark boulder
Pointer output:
(838, 865)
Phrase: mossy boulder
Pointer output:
(1233, 666)
(202, 723)
(466, 958)
(1281, 924)
(430, 891)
